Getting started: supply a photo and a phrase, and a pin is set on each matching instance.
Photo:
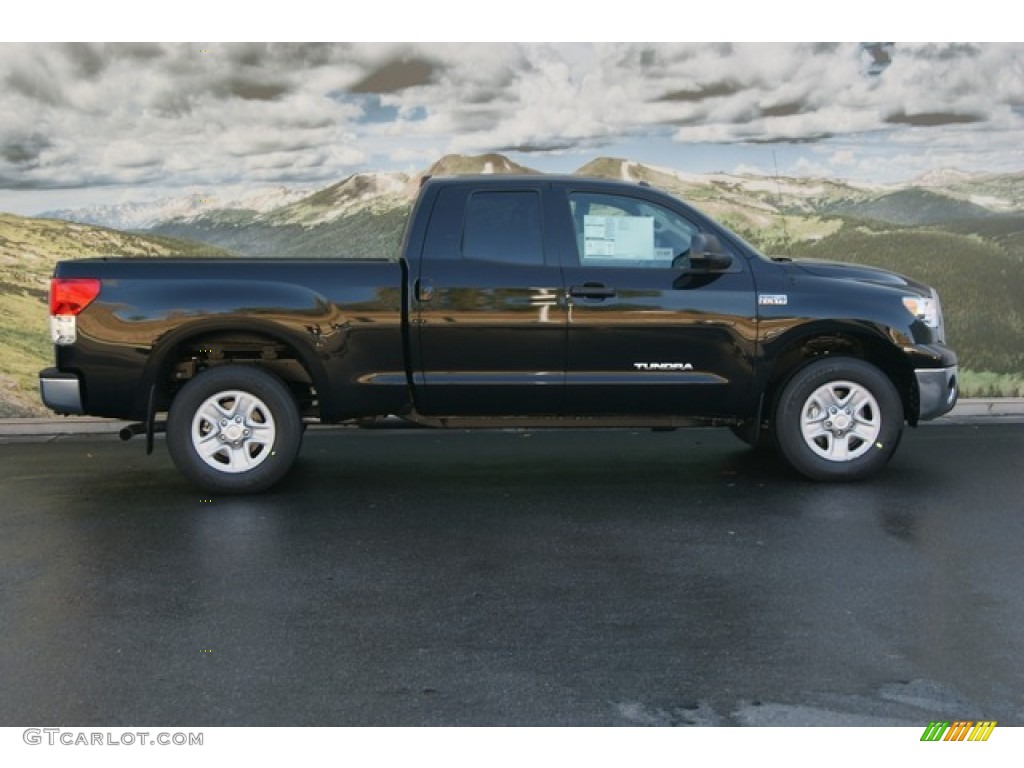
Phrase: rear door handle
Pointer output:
(592, 291)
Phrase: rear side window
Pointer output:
(503, 227)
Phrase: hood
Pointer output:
(859, 273)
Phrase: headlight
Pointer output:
(925, 310)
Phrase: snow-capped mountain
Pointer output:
(374, 191)
(151, 213)
(945, 177)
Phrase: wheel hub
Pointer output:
(840, 421)
(233, 431)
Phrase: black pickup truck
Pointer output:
(526, 301)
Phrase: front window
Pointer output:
(620, 231)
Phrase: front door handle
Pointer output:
(592, 291)
(424, 289)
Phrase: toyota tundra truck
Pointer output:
(525, 301)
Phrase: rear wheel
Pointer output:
(234, 429)
(838, 419)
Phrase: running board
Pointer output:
(563, 422)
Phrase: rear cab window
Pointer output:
(500, 227)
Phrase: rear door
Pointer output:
(488, 305)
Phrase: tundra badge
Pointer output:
(663, 366)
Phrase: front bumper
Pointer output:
(61, 392)
(937, 390)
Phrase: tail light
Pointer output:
(68, 297)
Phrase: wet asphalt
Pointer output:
(514, 578)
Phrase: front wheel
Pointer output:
(838, 419)
(234, 429)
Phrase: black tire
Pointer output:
(852, 442)
(234, 429)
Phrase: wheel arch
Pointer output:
(212, 343)
(815, 341)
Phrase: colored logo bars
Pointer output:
(960, 730)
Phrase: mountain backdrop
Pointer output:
(961, 232)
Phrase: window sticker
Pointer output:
(619, 237)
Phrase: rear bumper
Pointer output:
(61, 392)
(937, 389)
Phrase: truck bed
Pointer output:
(341, 321)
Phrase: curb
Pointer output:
(1005, 410)
(57, 427)
(982, 408)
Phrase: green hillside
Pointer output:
(1005, 231)
(1008, 188)
(29, 248)
(364, 233)
(910, 206)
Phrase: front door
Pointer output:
(647, 336)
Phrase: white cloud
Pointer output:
(843, 158)
(805, 167)
(179, 114)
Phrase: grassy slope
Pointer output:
(365, 234)
(911, 207)
(29, 248)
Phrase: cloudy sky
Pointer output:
(99, 123)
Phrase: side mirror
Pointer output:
(707, 254)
